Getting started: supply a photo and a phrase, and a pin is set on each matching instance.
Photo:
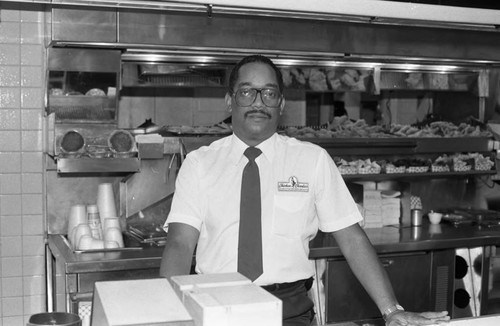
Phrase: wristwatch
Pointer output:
(392, 309)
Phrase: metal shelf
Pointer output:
(98, 165)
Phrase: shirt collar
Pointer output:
(238, 147)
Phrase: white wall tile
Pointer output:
(31, 33)
(33, 245)
(34, 285)
(10, 184)
(31, 183)
(10, 140)
(10, 98)
(31, 77)
(34, 304)
(31, 162)
(32, 204)
(10, 54)
(31, 55)
(11, 205)
(10, 32)
(12, 266)
(12, 306)
(11, 247)
(32, 225)
(10, 162)
(31, 119)
(31, 141)
(11, 225)
(10, 15)
(31, 97)
(33, 265)
(10, 76)
(33, 15)
(13, 321)
(12, 287)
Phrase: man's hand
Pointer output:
(401, 318)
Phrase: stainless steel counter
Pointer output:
(392, 239)
(387, 239)
(82, 270)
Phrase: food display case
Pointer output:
(82, 85)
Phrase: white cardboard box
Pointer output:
(138, 302)
(239, 305)
(183, 283)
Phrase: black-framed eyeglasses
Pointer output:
(271, 97)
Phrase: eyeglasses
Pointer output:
(271, 97)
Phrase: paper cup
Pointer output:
(114, 234)
(97, 244)
(77, 215)
(111, 222)
(106, 200)
(80, 231)
(85, 242)
(111, 245)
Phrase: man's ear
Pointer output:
(282, 106)
(229, 101)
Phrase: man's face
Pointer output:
(257, 122)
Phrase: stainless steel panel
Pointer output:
(248, 34)
(86, 25)
(85, 60)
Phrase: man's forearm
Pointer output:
(366, 266)
(176, 260)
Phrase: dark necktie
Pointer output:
(250, 232)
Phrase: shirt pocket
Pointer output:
(291, 212)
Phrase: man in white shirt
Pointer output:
(301, 191)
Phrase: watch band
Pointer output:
(392, 309)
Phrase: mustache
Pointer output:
(258, 112)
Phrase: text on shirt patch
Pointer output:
(293, 184)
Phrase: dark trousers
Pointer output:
(298, 308)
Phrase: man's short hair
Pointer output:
(233, 77)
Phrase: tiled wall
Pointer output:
(22, 263)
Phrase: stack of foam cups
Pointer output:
(109, 220)
(77, 216)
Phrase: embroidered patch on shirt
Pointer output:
(293, 184)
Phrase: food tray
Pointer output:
(440, 168)
(417, 169)
(463, 168)
(397, 169)
(369, 170)
(347, 169)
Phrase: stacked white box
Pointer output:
(227, 299)
(138, 303)
(372, 203)
(391, 211)
(239, 305)
(183, 283)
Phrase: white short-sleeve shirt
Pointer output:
(301, 188)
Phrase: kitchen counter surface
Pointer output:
(389, 239)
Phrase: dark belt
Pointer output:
(280, 286)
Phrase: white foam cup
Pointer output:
(97, 244)
(77, 215)
(111, 245)
(80, 231)
(111, 222)
(106, 200)
(85, 242)
(114, 234)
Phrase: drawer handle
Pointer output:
(387, 262)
